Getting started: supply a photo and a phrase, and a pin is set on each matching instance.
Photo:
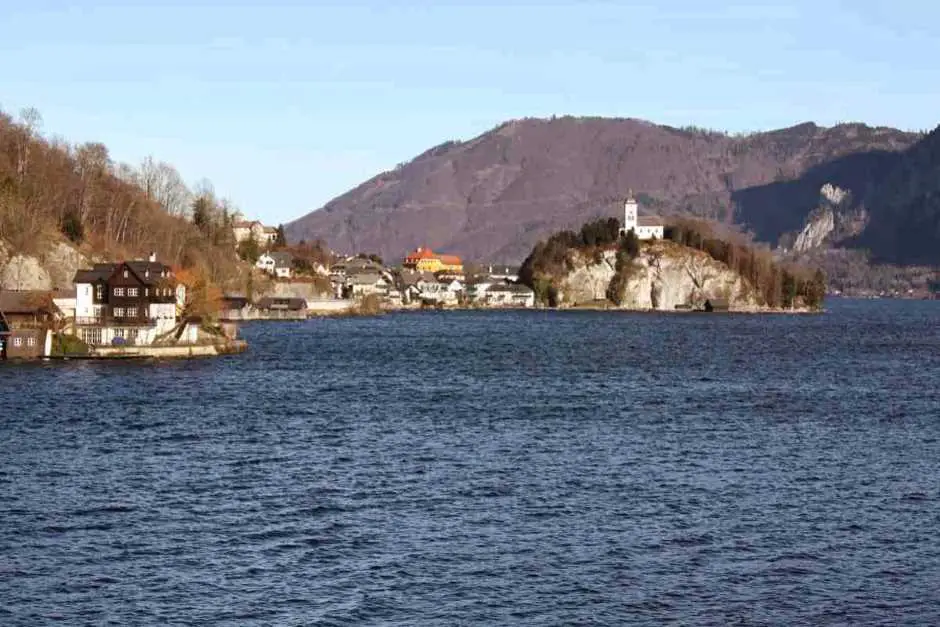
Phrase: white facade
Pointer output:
(502, 295)
(266, 262)
(435, 292)
(264, 235)
(85, 301)
(650, 227)
(275, 264)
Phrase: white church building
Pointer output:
(645, 227)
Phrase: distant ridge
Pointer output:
(492, 197)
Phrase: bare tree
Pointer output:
(30, 123)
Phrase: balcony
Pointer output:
(111, 321)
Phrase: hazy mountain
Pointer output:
(491, 198)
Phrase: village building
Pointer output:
(288, 308)
(65, 300)
(131, 302)
(365, 283)
(425, 259)
(279, 264)
(645, 227)
(437, 292)
(509, 295)
(244, 230)
(27, 320)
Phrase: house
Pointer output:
(437, 292)
(234, 307)
(477, 290)
(65, 300)
(278, 264)
(645, 227)
(128, 302)
(244, 230)
(509, 295)
(27, 319)
(425, 259)
(365, 283)
(287, 308)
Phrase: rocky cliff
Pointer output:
(835, 219)
(663, 275)
(55, 268)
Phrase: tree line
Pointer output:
(51, 189)
(779, 284)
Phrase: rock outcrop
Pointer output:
(833, 220)
(53, 269)
(663, 276)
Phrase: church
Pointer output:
(645, 227)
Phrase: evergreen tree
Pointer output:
(280, 239)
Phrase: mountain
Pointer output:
(491, 198)
(904, 208)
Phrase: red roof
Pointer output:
(421, 253)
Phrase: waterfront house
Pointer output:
(131, 302)
(509, 295)
(27, 319)
(477, 289)
(65, 300)
(436, 292)
(288, 308)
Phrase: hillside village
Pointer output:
(144, 307)
(328, 284)
(308, 281)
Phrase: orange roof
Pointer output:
(422, 253)
(451, 260)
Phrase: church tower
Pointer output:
(629, 213)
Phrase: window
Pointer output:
(118, 312)
(125, 273)
(146, 291)
(132, 312)
(119, 291)
(30, 341)
(99, 292)
(17, 341)
(132, 291)
(91, 336)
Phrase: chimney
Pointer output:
(153, 257)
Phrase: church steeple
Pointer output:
(629, 212)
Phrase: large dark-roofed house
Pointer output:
(131, 301)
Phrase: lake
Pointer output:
(487, 468)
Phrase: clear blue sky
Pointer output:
(285, 105)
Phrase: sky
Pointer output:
(285, 105)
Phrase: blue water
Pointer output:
(491, 468)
